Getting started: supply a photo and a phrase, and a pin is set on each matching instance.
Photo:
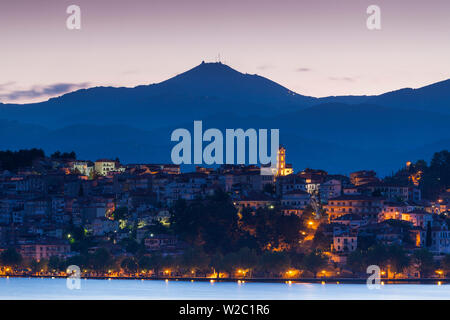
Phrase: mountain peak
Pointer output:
(208, 70)
(216, 80)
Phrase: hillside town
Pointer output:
(118, 219)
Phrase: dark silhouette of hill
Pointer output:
(204, 90)
(434, 98)
(334, 133)
(367, 126)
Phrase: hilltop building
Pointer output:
(85, 168)
(103, 166)
(283, 169)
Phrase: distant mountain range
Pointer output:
(338, 134)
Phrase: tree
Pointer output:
(194, 260)
(34, 266)
(129, 265)
(145, 263)
(424, 260)
(296, 260)
(356, 262)
(43, 265)
(243, 260)
(217, 262)
(365, 242)
(436, 177)
(56, 155)
(433, 178)
(378, 255)
(314, 261)
(446, 264)
(247, 259)
(54, 263)
(170, 264)
(274, 263)
(421, 165)
(101, 260)
(131, 245)
(11, 258)
(229, 263)
(271, 229)
(288, 228)
(156, 263)
(307, 215)
(321, 241)
(64, 156)
(81, 261)
(211, 223)
(13, 160)
(398, 259)
(79, 240)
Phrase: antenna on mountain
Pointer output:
(219, 59)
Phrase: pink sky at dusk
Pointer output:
(316, 48)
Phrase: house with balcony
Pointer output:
(366, 206)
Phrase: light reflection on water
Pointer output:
(43, 289)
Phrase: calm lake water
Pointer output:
(48, 289)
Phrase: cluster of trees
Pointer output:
(395, 259)
(11, 258)
(250, 263)
(64, 155)
(269, 229)
(435, 176)
(13, 160)
(215, 225)
(193, 262)
(211, 224)
(99, 261)
(244, 262)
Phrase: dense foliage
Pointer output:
(13, 160)
(434, 178)
(215, 225)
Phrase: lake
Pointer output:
(49, 289)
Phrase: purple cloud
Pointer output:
(42, 91)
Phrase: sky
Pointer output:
(315, 47)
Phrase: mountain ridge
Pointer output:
(212, 71)
(353, 131)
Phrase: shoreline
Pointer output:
(253, 280)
